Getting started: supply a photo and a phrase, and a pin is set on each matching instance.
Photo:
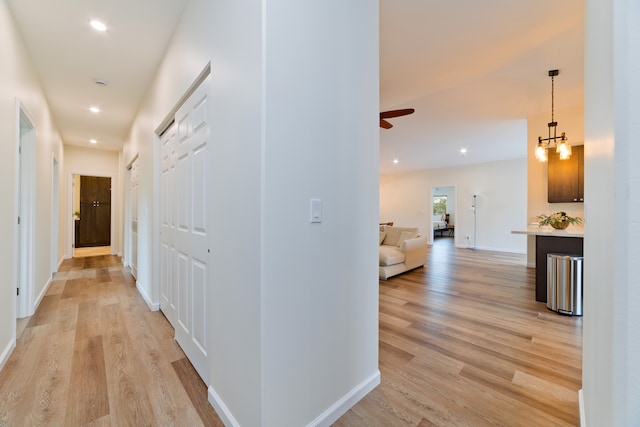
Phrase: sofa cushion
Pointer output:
(382, 235)
(393, 234)
(404, 235)
(390, 255)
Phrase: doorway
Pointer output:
(443, 212)
(92, 212)
(26, 212)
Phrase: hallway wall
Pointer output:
(19, 81)
(293, 305)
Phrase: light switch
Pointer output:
(316, 210)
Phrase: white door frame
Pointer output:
(71, 222)
(55, 212)
(25, 209)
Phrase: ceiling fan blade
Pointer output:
(396, 113)
(385, 124)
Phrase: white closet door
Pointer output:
(186, 218)
(133, 191)
(168, 296)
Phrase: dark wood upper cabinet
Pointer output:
(566, 177)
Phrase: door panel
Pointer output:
(94, 226)
(184, 228)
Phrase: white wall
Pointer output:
(93, 162)
(19, 81)
(502, 194)
(611, 342)
(293, 117)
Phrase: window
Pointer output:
(439, 205)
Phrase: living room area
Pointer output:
(463, 342)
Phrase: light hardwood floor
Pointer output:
(462, 343)
(93, 354)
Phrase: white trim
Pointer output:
(55, 212)
(339, 408)
(152, 306)
(583, 418)
(221, 409)
(41, 295)
(325, 419)
(4, 357)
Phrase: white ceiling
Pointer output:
(472, 70)
(68, 55)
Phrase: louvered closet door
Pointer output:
(186, 197)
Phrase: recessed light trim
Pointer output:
(98, 26)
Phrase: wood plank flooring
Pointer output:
(93, 354)
(464, 343)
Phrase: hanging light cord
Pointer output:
(552, 99)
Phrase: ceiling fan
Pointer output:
(391, 114)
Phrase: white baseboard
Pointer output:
(40, 296)
(152, 306)
(221, 409)
(6, 353)
(339, 408)
(325, 419)
(583, 418)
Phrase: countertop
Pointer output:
(534, 230)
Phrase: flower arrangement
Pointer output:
(559, 220)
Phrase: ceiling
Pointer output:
(68, 55)
(472, 70)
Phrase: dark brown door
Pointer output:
(94, 226)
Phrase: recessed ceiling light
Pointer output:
(93, 141)
(463, 151)
(98, 26)
(396, 161)
(94, 110)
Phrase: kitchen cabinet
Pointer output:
(566, 177)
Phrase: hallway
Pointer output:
(94, 354)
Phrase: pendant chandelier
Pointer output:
(560, 142)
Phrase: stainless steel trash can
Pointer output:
(564, 283)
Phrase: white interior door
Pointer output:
(134, 182)
(184, 245)
(26, 213)
(168, 296)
